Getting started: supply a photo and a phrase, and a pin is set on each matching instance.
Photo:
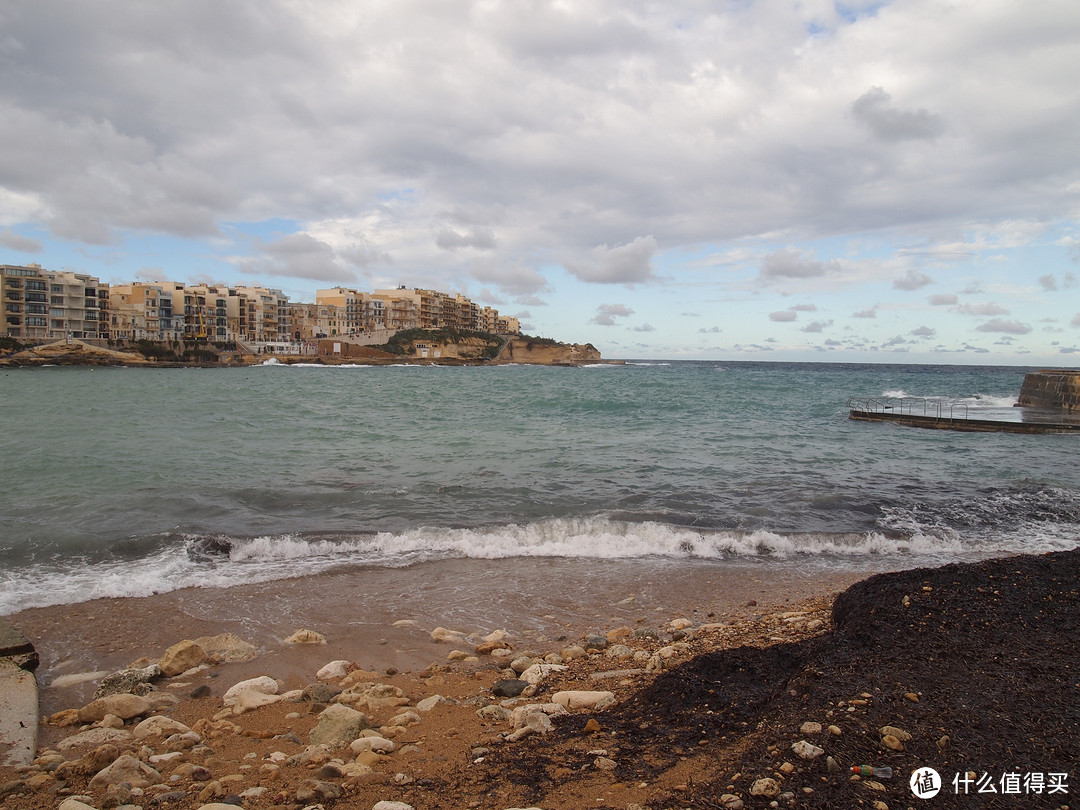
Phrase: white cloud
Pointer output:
(924, 332)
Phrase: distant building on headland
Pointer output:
(42, 305)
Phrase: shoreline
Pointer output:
(771, 698)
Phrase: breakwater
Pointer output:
(1055, 389)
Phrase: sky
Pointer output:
(863, 181)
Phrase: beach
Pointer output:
(706, 703)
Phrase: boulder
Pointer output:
(334, 671)
(429, 703)
(508, 687)
(380, 745)
(373, 696)
(226, 648)
(123, 705)
(158, 726)
(339, 724)
(181, 657)
(126, 769)
(128, 680)
(537, 672)
(264, 684)
(306, 637)
(94, 737)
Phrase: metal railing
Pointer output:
(909, 406)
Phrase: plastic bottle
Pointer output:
(884, 772)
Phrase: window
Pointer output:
(35, 285)
(56, 300)
(35, 322)
(37, 309)
(36, 296)
(56, 288)
(57, 313)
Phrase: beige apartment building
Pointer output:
(143, 311)
(43, 304)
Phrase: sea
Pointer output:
(129, 482)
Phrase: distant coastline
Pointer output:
(415, 347)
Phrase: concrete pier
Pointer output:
(18, 698)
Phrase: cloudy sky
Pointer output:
(735, 179)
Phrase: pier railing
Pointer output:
(909, 406)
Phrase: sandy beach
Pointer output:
(764, 692)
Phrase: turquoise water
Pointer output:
(134, 481)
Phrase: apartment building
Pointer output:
(143, 311)
(43, 304)
(264, 315)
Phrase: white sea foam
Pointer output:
(275, 557)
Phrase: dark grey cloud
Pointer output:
(1005, 327)
(984, 310)
(874, 109)
(943, 300)
(784, 316)
(298, 256)
(476, 237)
(791, 264)
(912, 280)
(20, 243)
(623, 264)
(607, 313)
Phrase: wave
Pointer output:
(219, 561)
(973, 401)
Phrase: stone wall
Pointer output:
(1055, 389)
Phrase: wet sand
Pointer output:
(382, 618)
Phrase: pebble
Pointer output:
(893, 744)
(893, 731)
(807, 750)
(810, 727)
(316, 790)
(767, 787)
